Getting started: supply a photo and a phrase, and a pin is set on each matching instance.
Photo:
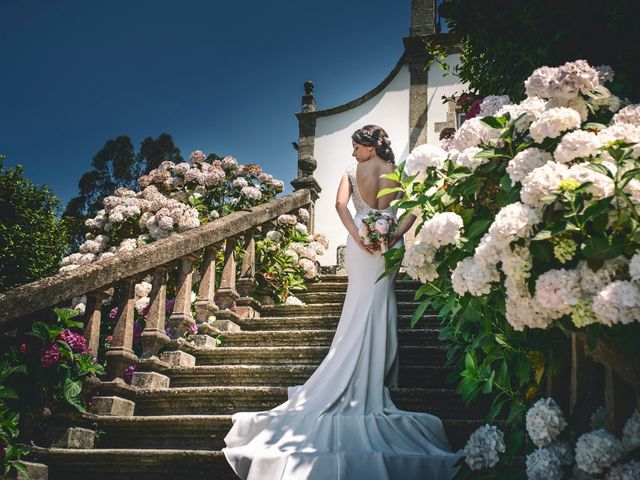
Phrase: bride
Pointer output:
(342, 424)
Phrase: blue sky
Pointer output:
(223, 77)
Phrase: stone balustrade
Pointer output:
(178, 255)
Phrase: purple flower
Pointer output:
(170, 331)
(145, 311)
(193, 329)
(24, 348)
(113, 313)
(128, 373)
(170, 304)
(137, 332)
(76, 342)
(50, 356)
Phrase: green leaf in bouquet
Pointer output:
(65, 314)
(41, 331)
(387, 191)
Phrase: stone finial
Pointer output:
(308, 87)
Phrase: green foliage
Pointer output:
(32, 237)
(504, 41)
(28, 384)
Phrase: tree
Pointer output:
(32, 236)
(115, 165)
(504, 41)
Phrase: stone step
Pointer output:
(127, 464)
(277, 338)
(404, 308)
(198, 432)
(339, 296)
(444, 403)
(308, 321)
(288, 375)
(308, 355)
(341, 286)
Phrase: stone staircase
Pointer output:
(177, 432)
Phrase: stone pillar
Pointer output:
(154, 336)
(247, 306)
(306, 142)
(92, 327)
(227, 293)
(205, 303)
(423, 18)
(181, 318)
(120, 355)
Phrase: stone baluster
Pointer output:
(181, 319)
(205, 303)
(247, 306)
(94, 313)
(120, 355)
(227, 293)
(154, 336)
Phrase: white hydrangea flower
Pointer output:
(522, 310)
(634, 267)
(418, 262)
(562, 450)
(492, 103)
(538, 83)
(553, 122)
(629, 114)
(240, 182)
(618, 302)
(472, 133)
(558, 291)
(442, 229)
(525, 162)
(524, 113)
(467, 158)
(541, 182)
(605, 73)
(79, 304)
(574, 78)
(622, 131)
(602, 186)
(291, 300)
(625, 471)
(143, 289)
(309, 267)
(274, 235)
(597, 450)
(543, 464)
(423, 157)
(251, 192)
(517, 263)
(301, 227)
(490, 248)
(141, 303)
(544, 422)
(287, 219)
(631, 432)
(473, 277)
(303, 215)
(577, 144)
(514, 221)
(290, 253)
(483, 447)
(592, 282)
(633, 190)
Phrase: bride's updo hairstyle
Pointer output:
(374, 136)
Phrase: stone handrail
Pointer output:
(97, 282)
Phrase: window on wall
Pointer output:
(441, 23)
(459, 118)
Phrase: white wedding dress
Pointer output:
(341, 424)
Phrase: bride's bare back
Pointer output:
(369, 182)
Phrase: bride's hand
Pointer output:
(364, 246)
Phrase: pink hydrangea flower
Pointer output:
(50, 356)
(76, 341)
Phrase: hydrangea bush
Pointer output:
(41, 371)
(530, 229)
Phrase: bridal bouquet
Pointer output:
(376, 229)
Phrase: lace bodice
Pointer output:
(360, 205)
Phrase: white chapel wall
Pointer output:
(332, 150)
(437, 86)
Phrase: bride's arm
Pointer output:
(403, 227)
(342, 199)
